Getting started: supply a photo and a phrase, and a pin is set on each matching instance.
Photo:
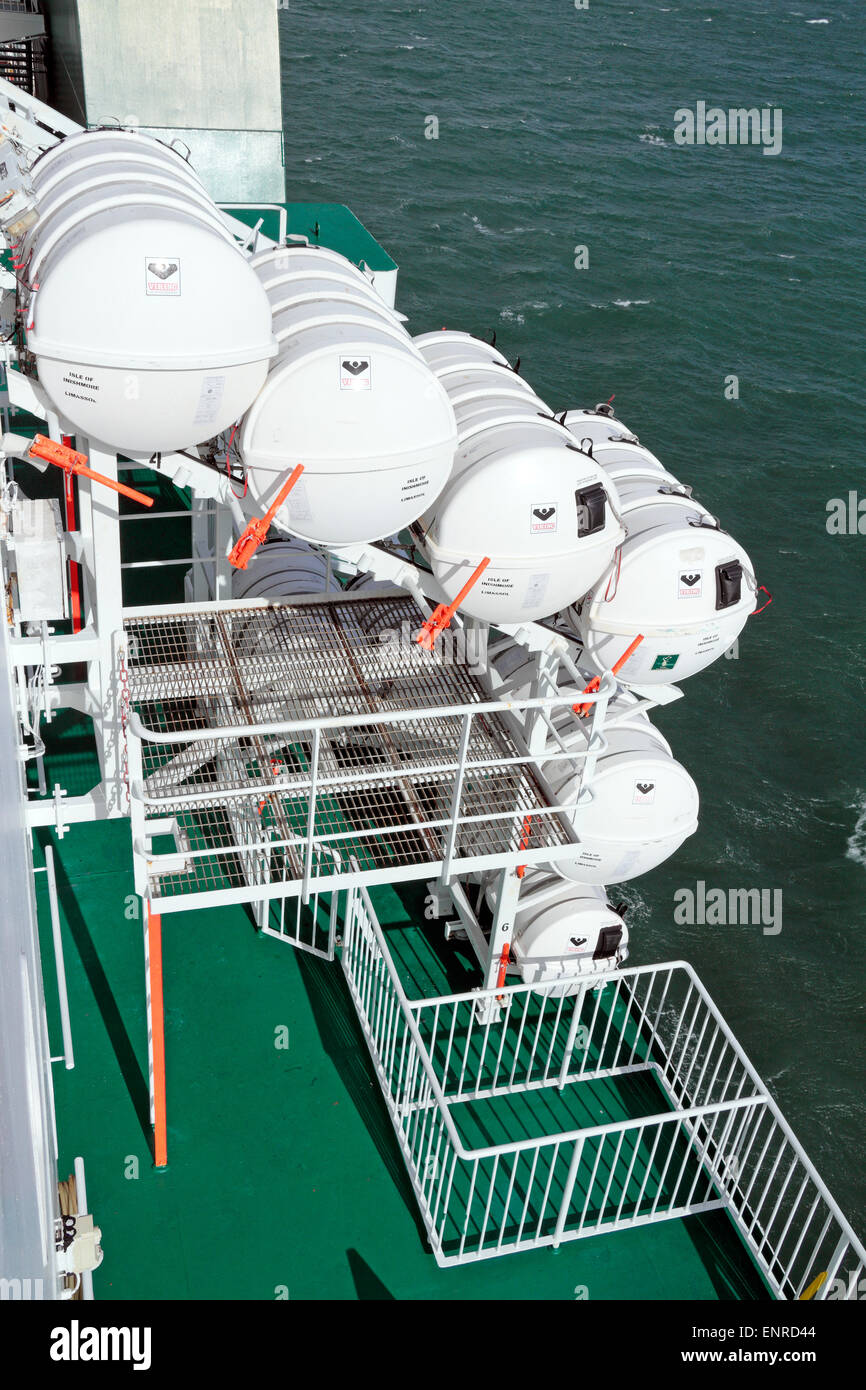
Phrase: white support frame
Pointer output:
(454, 765)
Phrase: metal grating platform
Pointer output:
(385, 737)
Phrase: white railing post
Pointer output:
(60, 967)
(572, 1035)
(573, 1166)
(456, 797)
(596, 743)
(311, 814)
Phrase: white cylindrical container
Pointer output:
(483, 384)
(296, 272)
(599, 426)
(351, 399)
(150, 331)
(73, 198)
(299, 258)
(282, 569)
(621, 459)
(643, 804)
(491, 410)
(521, 494)
(541, 514)
(450, 351)
(101, 151)
(564, 932)
(682, 582)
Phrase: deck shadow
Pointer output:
(368, 1286)
(419, 935)
(722, 1254)
(343, 1041)
(127, 1061)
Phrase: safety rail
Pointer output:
(696, 1131)
(413, 819)
(262, 738)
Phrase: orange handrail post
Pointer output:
(444, 612)
(156, 1037)
(583, 710)
(71, 461)
(257, 529)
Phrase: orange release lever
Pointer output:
(444, 612)
(524, 842)
(504, 961)
(583, 710)
(257, 529)
(73, 462)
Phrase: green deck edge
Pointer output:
(325, 224)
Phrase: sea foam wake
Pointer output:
(856, 849)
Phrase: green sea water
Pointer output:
(556, 131)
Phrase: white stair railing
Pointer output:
(444, 1075)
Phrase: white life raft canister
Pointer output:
(563, 932)
(643, 803)
(351, 399)
(151, 332)
(522, 495)
(680, 580)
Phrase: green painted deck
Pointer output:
(283, 1167)
(284, 1176)
(325, 224)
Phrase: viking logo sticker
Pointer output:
(644, 793)
(162, 276)
(356, 374)
(542, 518)
(689, 583)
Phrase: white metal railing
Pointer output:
(464, 799)
(451, 1082)
(68, 1055)
(309, 925)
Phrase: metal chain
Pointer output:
(124, 717)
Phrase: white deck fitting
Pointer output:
(277, 741)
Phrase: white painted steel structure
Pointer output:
(262, 733)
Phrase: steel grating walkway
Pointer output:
(383, 790)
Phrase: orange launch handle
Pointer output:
(444, 612)
(258, 528)
(583, 710)
(524, 841)
(503, 965)
(73, 462)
